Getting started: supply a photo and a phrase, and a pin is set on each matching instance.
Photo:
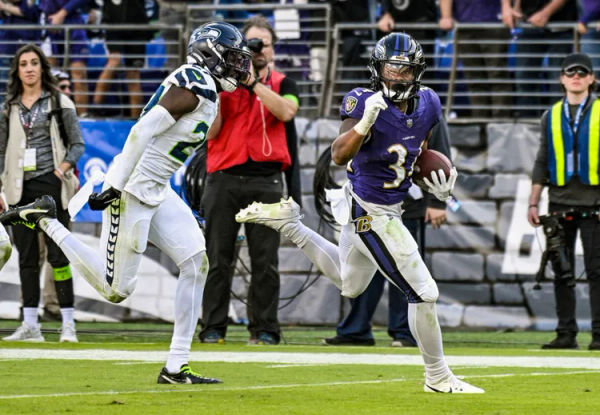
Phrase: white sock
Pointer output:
(188, 304)
(321, 252)
(84, 259)
(30, 316)
(424, 326)
(54, 229)
(67, 315)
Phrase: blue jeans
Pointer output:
(590, 44)
(357, 324)
(530, 61)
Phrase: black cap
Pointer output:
(575, 60)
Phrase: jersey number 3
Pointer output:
(401, 151)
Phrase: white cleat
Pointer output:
(452, 385)
(26, 333)
(273, 215)
(68, 333)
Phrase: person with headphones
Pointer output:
(251, 143)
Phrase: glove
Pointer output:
(373, 105)
(100, 201)
(439, 186)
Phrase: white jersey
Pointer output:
(167, 152)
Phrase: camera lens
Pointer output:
(255, 45)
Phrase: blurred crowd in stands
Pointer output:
(504, 70)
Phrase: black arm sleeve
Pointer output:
(540, 166)
(292, 175)
(75, 145)
(288, 87)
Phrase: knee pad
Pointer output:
(139, 236)
(113, 296)
(194, 266)
(431, 292)
(5, 251)
(352, 288)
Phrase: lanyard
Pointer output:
(577, 114)
(28, 126)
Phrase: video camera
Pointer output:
(255, 45)
(557, 250)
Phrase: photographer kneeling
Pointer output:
(568, 162)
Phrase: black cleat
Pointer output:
(595, 344)
(29, 215)
(184, 376)
(562, 342)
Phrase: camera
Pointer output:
(556, 250)
(255, 45)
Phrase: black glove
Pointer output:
(100, 201)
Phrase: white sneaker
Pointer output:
(452, 385)
(273, 215)
(68, 333)
(26, 333)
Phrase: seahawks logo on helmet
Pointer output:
(222, 49)
(211, 34)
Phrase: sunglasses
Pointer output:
(582, 72)
(64, 87)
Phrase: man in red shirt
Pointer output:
(251, 142)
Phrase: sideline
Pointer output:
(305, 358)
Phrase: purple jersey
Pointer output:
(380, 171)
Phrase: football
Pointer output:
(428, 161)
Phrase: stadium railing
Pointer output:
(304, 33)
(310, 52)
(449, 77)
(116, 100)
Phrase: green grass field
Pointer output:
(113, 370)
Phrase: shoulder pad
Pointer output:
(353, 103)
(196, 79)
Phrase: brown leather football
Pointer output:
(428, 161)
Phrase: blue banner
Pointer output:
(103, 141)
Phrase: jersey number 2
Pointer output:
(183, 149)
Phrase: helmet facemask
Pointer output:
(397, 65)
(398, 79)
(228, 62)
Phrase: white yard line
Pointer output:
(215, 388)
(304, 358)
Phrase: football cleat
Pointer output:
(185, 376)
(451, 385)
(273, 215)
(26, 333)
(68, 333)
(29, 215)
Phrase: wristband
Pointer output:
(535, 206)
(252, 85)
(362, 127)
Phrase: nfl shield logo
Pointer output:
(409, 123)
(350, 104)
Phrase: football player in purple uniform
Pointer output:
(383, 132)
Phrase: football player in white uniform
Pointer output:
(138, 202)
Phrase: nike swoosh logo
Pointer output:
(168, 379)
(439, 391)
(23, 214)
